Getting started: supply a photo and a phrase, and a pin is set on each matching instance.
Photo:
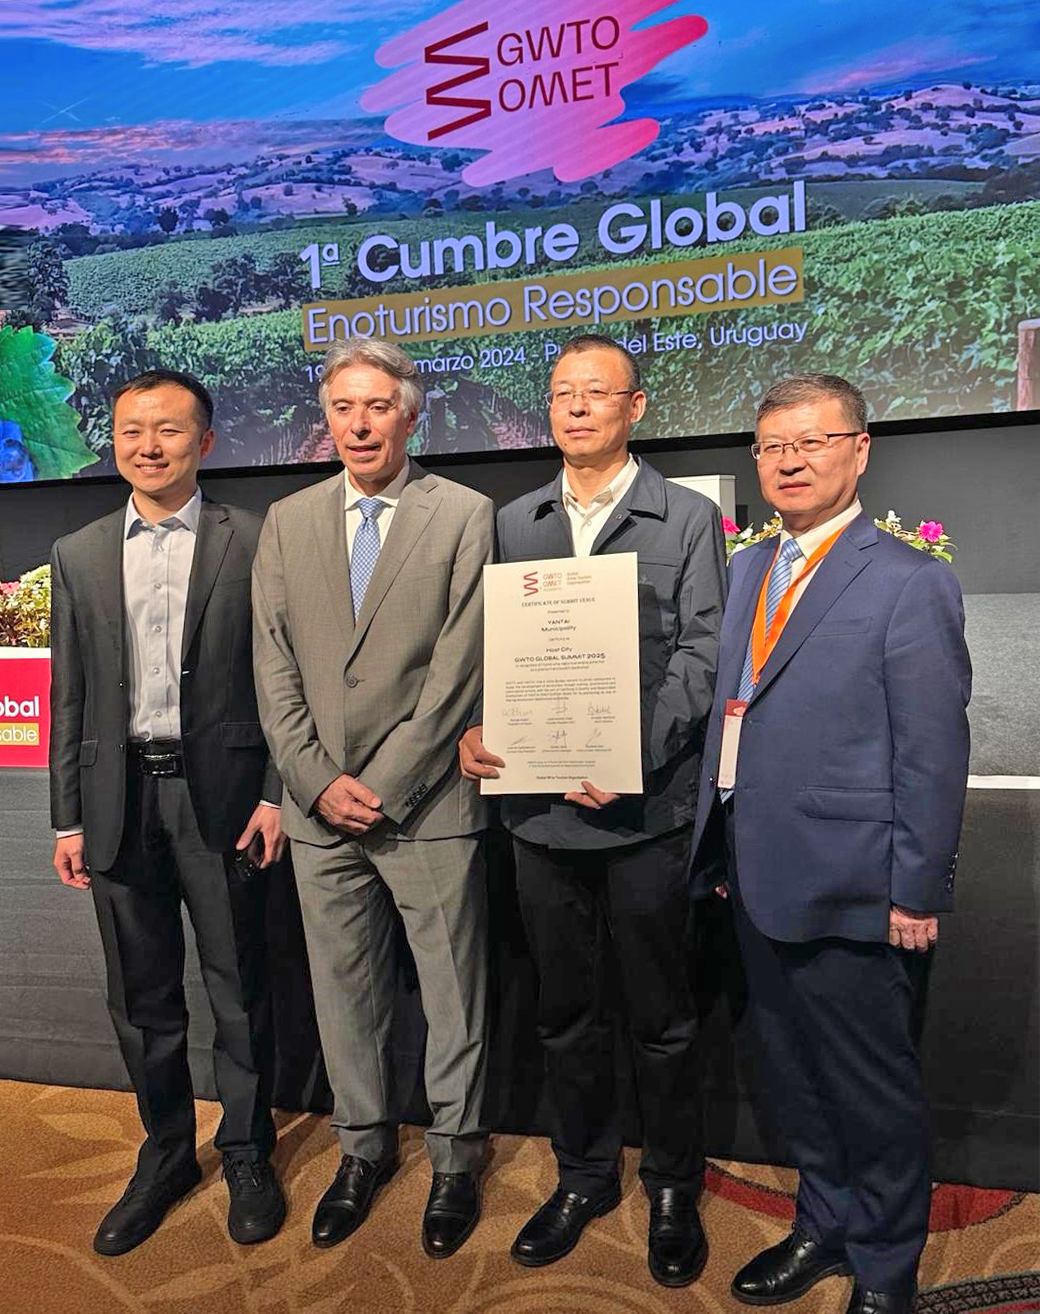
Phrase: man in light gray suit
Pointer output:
(367, 651)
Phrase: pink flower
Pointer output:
(9, 588)
(729, 528)
(930, 530)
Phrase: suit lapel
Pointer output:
(418, 502)
(832, 577)
(210, 550)
(110, 579)
(329, 533)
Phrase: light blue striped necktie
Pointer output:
(365, 552)
(779, 580)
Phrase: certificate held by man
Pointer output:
(561, 674)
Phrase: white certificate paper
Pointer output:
(561, 674)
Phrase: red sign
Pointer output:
(25, 711)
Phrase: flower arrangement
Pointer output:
(929, 536)
(25, 610)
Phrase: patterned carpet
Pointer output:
(68, 1153)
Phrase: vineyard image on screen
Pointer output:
(733, 192)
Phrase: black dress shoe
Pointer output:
(678, 1248)
(257, 1208)
(787, 1271)
(553, 1231)
(451, 1213)
(140, 1211)
(345, 1205)
(878, 1302)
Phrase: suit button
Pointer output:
(352, 681)
(711, 781)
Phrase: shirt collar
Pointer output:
(811, 539)
(390, 495)
(614, 491)
(187, 516)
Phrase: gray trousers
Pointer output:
(347, 895)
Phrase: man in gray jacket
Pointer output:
(367, 649)
(591, 863)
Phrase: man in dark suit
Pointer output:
(592, 865)
(837, 751)
(161, 791)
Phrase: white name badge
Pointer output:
(732, 721)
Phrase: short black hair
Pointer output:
(596, 341)
(156, 378)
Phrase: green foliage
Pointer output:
(34, 396)
(48, 285)
(922, 309)
(100, 359)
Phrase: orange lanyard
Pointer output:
(762, 644)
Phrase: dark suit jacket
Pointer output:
(853, 753)
(677, 535)
(225, 756)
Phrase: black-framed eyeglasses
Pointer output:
(811, 445)
(595, 396)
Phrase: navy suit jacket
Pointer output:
(853, 753)
(677, 535)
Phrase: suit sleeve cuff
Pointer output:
(72, 830)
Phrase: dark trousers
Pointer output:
(163, 860)
(842, 1082)
(571, 902)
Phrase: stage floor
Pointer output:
(68, 1153)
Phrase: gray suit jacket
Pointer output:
(225, 758)
(385, 699)
(677, 535)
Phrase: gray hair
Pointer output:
(802, 388)
(379, 355)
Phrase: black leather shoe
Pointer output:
(678, 1248)
(878, 1302)
(787, 1271)
(257, 1208)
(553, 1231)
(451, 1213)
(140, 1211)
(345, 1205)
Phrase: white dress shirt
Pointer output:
(390, 496)
(587, 521)
(156, 569)
(810, 541)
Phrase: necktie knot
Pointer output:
(370, 507)
(790, 552)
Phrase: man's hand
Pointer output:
(266, 822)
(912, 930)
(349, 805)
(69, 864)
(591, 797)
(475, 762)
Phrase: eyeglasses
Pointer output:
(595, 396)
(811, 445)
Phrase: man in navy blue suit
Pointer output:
(837, 754)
